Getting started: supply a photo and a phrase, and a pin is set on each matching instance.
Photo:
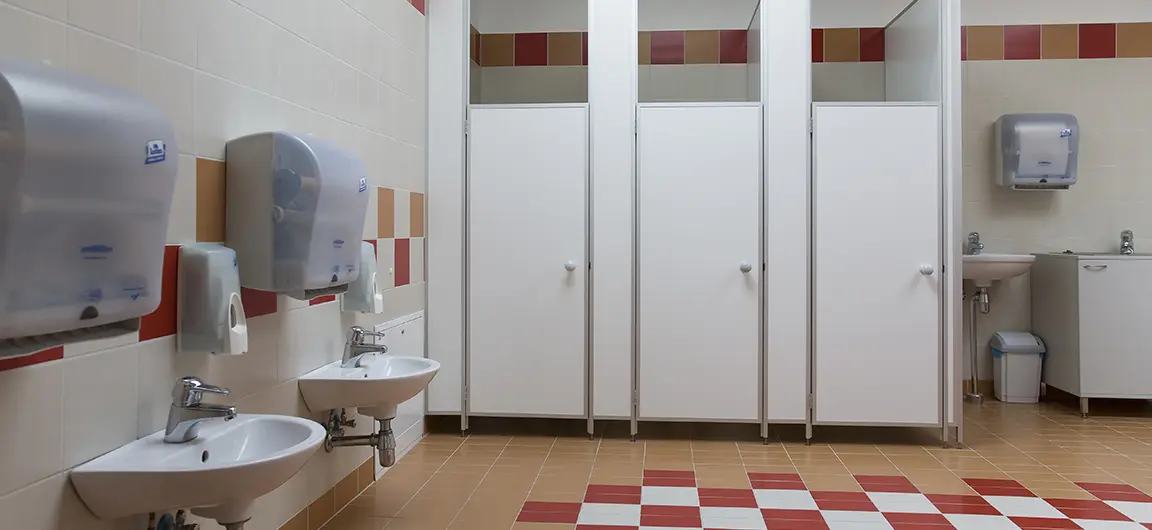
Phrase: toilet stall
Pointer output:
(638, 213)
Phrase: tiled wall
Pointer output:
(695, 65)
(1101, 73)
(352, 72)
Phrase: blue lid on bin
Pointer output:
(1015, 342)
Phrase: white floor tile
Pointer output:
(1087, 524)
(1024, 507)
(785, 499)
(837, 516)
(903, 503)
(732, 518)
(610, 514)
(1140, 512)
(669, 496)
(981, 522)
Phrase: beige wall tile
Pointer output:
(702, 47)
(985, 43)
(1059, 41)
(1134, 40)
(385, 213)
(565, 49)
(645, 44)
(211, 199)
(416, 215)
(842, 45)
(497, 49)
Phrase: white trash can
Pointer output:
(1017, 361)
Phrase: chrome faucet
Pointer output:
(975, 247)
(355, 349)
(1127, 247)
(187, 412)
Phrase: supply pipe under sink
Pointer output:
(383, 440)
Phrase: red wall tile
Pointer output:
(733, 46)
(257, 303)
(963, 43)
(1022, 42)
(322, 300)
(871, 45)
(1097, 41)
(419, 5)
(43, 356)
(162, 321)
(531, 49)
(375, 251)
(584, 46)
(817, 45)
(403, 265)
(667, 47)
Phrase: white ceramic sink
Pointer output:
(218, 474)
(983, 269)
(380, 384)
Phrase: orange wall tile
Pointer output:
(385, 213)
(1059, 41)
(565, 49)
(702, 47)
(211, 193)
(416, 214)
(1134, 40)
(841, 45)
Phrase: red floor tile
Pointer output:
(729, 502)
(890, 488)
(671, 511)
(962, 504)
(943, 498)
(772, 514)
(847, 506)
(670, 521)
(993, 482)
(655, 473)
(551, 507)
(1115, 492)
(841, 496)
(881, 479)
(1003, 492)
(1109, 514)
(1042, 523)
(777, 485)
(613, 489)
(917, 518)
(775, 477)
(670, 482)
(611, 498)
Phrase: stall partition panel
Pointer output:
(700, 265)
(877, 278)
(527, 266)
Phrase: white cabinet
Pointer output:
(1093, 313)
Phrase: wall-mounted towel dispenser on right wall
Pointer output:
(1037, 151)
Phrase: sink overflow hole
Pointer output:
(204, 456)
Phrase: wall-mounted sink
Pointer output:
(218, 474)
(376, 387)
(983, 269)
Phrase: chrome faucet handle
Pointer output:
(358, 334)
(1126, 234)
(974, 237)
(189, 391)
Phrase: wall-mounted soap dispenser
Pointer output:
(1037, 151)
(363, 295)
(86, 178)
(295, 213)
(209, 312)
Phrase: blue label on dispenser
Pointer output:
(1066, 133)
(363, 185)
(95, 251)
(156, 152)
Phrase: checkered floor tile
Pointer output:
(671, 500)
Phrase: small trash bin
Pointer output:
(1017, 361)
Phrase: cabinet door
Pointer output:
(527, 264)
(1115, 335)
(876, 232)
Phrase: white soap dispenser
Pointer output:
(363, 295)
(210, 315)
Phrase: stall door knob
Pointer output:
(570, 266)
(745, 267)
(927, 269)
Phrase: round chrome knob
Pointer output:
(745, 267)
(927, 269)
(570, 266)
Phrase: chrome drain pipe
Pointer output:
(382, 440)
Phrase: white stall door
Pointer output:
(527, 270)
(876, 178)
(700, 265)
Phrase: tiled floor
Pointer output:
(1026, 466)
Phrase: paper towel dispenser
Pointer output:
(86, 178)
(209, 309)
(1037, 151)
(295, 213)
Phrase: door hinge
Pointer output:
(811, 401)
(811, 125)
(467, 127)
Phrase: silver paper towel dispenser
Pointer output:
(87, 172)
(1037, 151)
(295, 213)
